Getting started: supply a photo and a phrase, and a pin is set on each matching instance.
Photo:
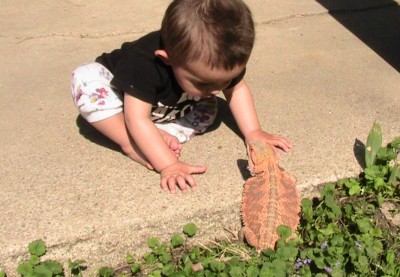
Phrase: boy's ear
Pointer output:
(162, 54)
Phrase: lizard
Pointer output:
(270, 197)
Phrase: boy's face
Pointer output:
(199, 79)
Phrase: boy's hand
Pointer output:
(180, 174)
(275, 140)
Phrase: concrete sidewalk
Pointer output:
(320, 78)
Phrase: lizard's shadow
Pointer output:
(243, 168)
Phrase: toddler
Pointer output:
(155, 93)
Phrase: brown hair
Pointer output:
(219, 31)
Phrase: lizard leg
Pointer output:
(249, 235)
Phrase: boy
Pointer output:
(155, 93)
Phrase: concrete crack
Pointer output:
(339, 11)
(22, 39)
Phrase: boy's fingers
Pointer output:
(197, 169)
(181, 183)
(164, 185)
(190, 180)
(283, 147)
(171, 185)
(283, 144)
(181, 178)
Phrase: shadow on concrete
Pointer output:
(90, 133)
(225, 116)
(376, 23)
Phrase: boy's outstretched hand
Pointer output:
(275, 140)
(179, 174)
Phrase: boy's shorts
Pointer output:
(92, 93)
(96, 100)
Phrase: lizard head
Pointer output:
(259, 153)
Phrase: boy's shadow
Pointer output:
(90, 133)
(225, 116)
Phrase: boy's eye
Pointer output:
(212, 86)
(203, 85)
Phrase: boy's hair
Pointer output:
(221, 32)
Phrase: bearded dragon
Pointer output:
(270, 197)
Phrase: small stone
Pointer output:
(197, 267)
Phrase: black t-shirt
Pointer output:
(140, 73)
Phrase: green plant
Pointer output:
(343, 237)
(106, 272)
(374, 142)
(190, 229)
(35, 267)
(76, 268)
(381, 177)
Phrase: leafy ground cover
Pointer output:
(346, 231)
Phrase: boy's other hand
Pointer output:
(179, 174)
(275, 140)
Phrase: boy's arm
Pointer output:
(240, 100)
(150, 142)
